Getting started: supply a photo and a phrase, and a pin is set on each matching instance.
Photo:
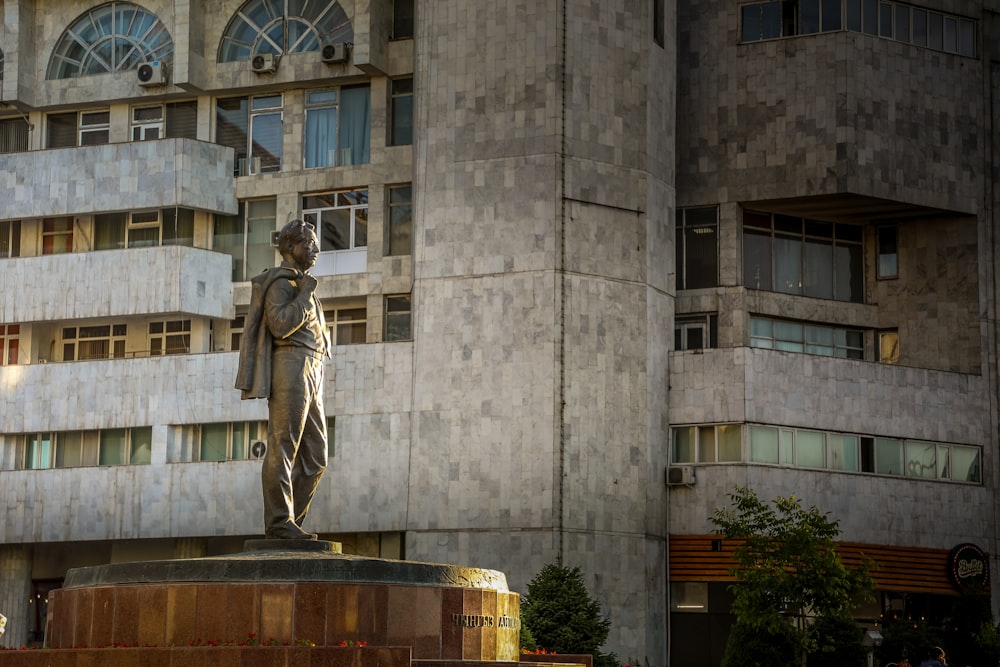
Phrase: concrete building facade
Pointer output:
(588, 265)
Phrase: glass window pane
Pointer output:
(810, 449)
(786, 438)
(950, 35)
(902, 29)
(214, 440)
(870, 16)
(965, 464)
(787, 265)
(854, 15)
(763, 444)
(884, 19)
(239, 448)
(849, 273)
(966, 38)
(266, 141)
(69, 449)
(729, 442)
(921, 459)
(706, 444)
(831, 15)
(888, 456)
(808, 16)
(817, 275)
(844, 452)
(920, 27)
(756, 260)
(142, 445)
(935, 31)
(682, 450)
(701, 254)
(751, 20)
(112, 447)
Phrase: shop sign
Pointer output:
(969, 567)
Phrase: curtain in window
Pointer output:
(321, 137)
(112, 447)
(214, 438)
(109, 231)
(227, 237)
(355, 110)
(178, 226)
(142, 445)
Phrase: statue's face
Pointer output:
(305, 252)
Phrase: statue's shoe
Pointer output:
(288, 531)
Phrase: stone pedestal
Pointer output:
(290, 593)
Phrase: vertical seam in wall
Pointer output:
(561, 287)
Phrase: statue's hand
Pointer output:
(307, 284)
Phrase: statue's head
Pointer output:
(297, 243)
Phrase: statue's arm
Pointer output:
(286, 308)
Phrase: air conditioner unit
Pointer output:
(152, 73)
(274, 237)
(680, 476)
(336, 53)
(264, 63)
(258, 448)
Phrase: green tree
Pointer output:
(788, 567)
(561, 616)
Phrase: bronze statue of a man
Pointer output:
(285, 344)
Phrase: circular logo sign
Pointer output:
(969, 568)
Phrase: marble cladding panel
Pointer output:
(15, 591)
(487, 217)
(141, 281)
(187, 389)
(802, 390)
(484, 414)
(606, 406)
(118, 177)
(606, 241)
(870, 509)
(819, 114)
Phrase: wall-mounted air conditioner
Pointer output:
(264, 63)
(680, 476)
(153, 73)
(336, 53)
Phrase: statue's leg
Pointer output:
(286, 419)
(311, 458)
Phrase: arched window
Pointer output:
(283, 26)
(114, 37)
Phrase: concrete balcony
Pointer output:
(114, 283)
(117, 177)
(745, 384)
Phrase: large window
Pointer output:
(348, 326)
(252, 127)
(401, 112)
(697, 247)
(341, 222)
(74, 449)
(398, 318)
(10, 238)
(14, 135)
(113, 37)
(231, 441)
(337, 126)
(826, 450)
(83, 128)
(891, 20)
(783, 253)
(402, 19)
(887, 250)
(821, 339)
(57, 235)
(10, 343)
(144, 229)
(156, 121)
(283, 26)
(696, 332)
(399, 236)
(246, 237)
(169, 337)
(97, 341)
